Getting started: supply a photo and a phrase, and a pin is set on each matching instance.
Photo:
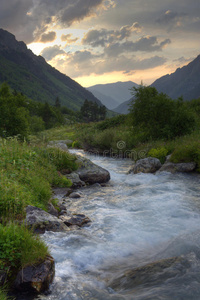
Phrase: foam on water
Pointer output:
(135, 220)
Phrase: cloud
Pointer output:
(124, 63)
(171, 19)
(85, 63)
(48, 37)
(78, 10)
(102, 37)
(68, 38)
(29, 19)
(50, 52)
(145, 44)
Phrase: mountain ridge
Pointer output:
(113, 94)
(184, 82)
(34, 77)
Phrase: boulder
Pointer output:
(146, 165)
(75, 219)
(75, 179)
(41, 221)
(178, 167)
(90, 172)
(52, 211)
(75, 195)
(61, 144)
(36, 278)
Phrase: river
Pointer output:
(136, 220)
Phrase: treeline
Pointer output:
(92, 112)
(152, 117)
(20, 115)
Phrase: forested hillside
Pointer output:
(34, 77)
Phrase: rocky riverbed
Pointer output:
(123, 246)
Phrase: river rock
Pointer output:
(75, 179)
(150, 274)
(42, 221)
(75, 195)
(75, 219)
(61, 144)
(146, 165)
(90, 172)
(178, 167)
(36, 278)
(52, 211)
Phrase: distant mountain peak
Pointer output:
(113, 94)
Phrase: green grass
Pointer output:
(67, 132)
(27, 174)
(117, 136)
(19, 247)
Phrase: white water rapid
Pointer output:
(136, 220)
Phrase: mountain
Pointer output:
(123, 107)
(112, 94)
(30, 74)
(183, 82)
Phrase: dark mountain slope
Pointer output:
(184, 82)
(33, 76)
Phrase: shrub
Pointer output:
(187, 153)
(159, 153)
(112, 122)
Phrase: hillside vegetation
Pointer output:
(156, 126)
(35, 78)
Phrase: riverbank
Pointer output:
(27, 176)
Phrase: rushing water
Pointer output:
(136, 219)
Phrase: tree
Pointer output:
(91, 112)
(57, 103)
(158, 116)
(14, 116)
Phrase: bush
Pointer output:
(159, 153)
(187, 153)
(112, 122)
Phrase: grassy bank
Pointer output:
(27, 174)
(116, 136)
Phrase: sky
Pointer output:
(105, 41)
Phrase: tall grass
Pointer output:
(27, 174)
(19, 247)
